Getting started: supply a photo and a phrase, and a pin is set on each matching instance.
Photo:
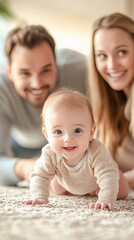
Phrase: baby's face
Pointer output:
(69, 131)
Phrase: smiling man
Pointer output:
(34, 70)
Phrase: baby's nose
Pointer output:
(68, 138)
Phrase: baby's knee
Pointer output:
(123, 187)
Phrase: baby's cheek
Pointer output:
(50, 138)
(55, 146)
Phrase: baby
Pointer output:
(81, 163)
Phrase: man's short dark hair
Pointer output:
(27, 36)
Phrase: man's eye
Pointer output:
(77, 130)
(58, 132)
(25, 73)
(46, 70)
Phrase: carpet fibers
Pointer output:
(64, 218)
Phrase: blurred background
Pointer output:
(69, 21)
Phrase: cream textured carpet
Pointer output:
(64, 218)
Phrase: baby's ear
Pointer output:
(44, 132)
(92, 131)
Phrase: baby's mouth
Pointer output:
(69, 148)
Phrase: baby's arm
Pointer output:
(108, 184)
(40, 179)
(98, 205)
(101, 206)
(107, 176)
(36, 201)
(122, 194)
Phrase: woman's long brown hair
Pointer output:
(107, 103)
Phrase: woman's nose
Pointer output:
(112, 62)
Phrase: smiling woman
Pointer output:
(115, 61)
(112, 77)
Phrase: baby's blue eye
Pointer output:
(58, 132)
(77, 130)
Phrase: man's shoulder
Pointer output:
(4, 78)
(67, 56)
(72, 70)
(7, 89)
(8, 93)
(5, 84)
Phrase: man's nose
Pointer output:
(36, 82)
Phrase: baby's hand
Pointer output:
(35, 201)
(101, 206)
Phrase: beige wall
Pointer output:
(68, 21)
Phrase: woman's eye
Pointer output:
(58, 132)
(77, 130)
(101, 56)
(122, 52)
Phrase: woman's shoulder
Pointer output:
(129, 110)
